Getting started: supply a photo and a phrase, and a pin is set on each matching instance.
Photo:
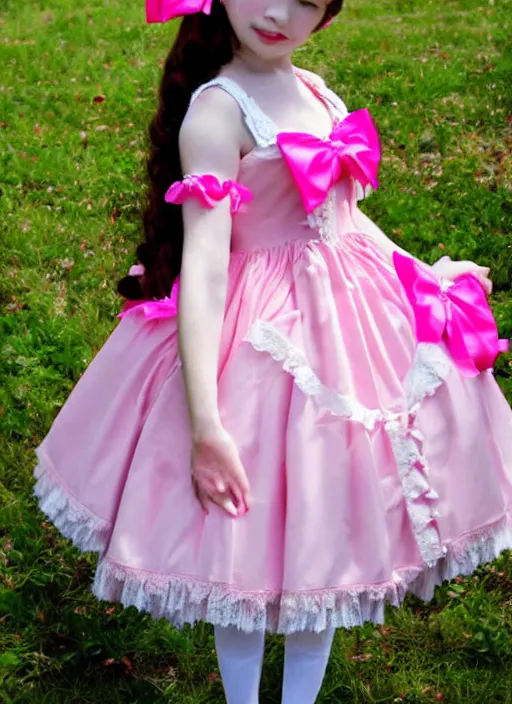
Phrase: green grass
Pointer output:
(436, 77)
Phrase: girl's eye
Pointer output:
(305, 3)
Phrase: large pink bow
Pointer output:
(352, 149)
(165, 10)
(458, 314)
(166, 307)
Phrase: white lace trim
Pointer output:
(261, 127)
(430, 368)
(85, 530)
(183, 600)
(419, 496)
(464, 555)
(323, 219)
(265, 337)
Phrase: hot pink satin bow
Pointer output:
(316, 164)
(208, 189)
(159, 308)
(458, 315)
(165, 10)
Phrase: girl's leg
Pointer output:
(306, 656)
(240, 657)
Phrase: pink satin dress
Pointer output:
(376, 467)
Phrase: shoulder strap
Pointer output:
(319, 84)
(258, 123)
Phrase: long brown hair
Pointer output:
(204, 44)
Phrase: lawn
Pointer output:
(78, 87)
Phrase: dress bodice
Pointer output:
(276, 214)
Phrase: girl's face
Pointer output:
(274, 28)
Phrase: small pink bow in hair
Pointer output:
(165, 10)
(352, 149)
(458, 314)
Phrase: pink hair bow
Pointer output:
(166, 307)
(208, 189)
(458, 314)
(165, 10)
(352, 149)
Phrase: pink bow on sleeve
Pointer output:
(352, 149)
(166, 307)
(208, 189)
(458, 314)
(165, 10)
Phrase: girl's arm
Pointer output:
(209, 143)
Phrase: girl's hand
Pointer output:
(218, 474)
(447, 269)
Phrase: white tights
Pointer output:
(240, 658)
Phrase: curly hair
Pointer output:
(204, 44)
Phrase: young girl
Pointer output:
(294, 422)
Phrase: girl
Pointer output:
(294, 422)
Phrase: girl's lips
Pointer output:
(269, 37)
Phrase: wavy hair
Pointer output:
(204, 44)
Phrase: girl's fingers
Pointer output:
(241, 479)
(201, 497)
(220, 486)
(239, 498)
(226, 502)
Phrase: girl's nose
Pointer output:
(278, 11)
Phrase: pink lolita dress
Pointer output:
(357, 385)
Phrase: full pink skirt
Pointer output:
(375, 468)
